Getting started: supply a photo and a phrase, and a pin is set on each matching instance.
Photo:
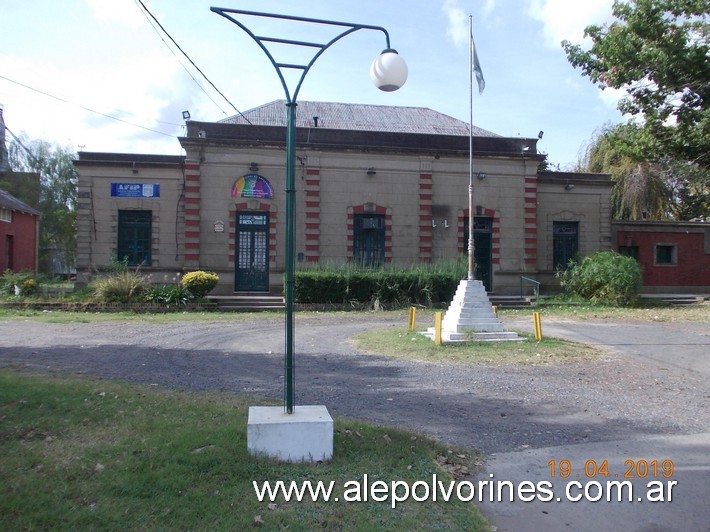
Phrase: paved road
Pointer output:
(680, 349)
(683, 346)
(648, 399)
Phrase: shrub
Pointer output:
(605, 277)
(169, 294)
(24, 281)
(29, 287)
(122, 287)
(200, 283)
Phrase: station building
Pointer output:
(375, 185)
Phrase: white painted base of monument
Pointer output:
(470, 317)
(304, 436)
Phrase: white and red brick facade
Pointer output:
(413, 184)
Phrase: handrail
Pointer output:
(536, 290)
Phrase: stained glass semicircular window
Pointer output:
(252, 186)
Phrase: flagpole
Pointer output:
(470, 150)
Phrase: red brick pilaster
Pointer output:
(530, 222)
(313, 214)
(192, 215)
(426, 231)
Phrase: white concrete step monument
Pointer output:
(470, 317)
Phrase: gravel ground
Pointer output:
(496, 409)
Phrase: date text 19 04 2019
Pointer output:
(631, 469)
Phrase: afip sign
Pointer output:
(135, 190)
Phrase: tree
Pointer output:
(57, 199)
(657, 51)
(689, 187)
(638, 192)
(664, 189)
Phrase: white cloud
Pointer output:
(566, 20)
(489, 7)
(610, 97)
(457, 29)
(140, 91)
(574, 84)
(127, 13)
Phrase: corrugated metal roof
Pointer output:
(361, 117)
(9, 201)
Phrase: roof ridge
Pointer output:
(360, 117)
(9, 201)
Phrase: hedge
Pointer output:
(387, 288)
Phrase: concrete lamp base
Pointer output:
(304, 436)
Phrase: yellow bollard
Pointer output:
(495, 310)
(412, 318)
(437, 327)
(538, 326)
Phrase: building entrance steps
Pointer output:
(248, 302)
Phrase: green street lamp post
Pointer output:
(388, 73)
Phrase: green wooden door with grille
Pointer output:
(565, 243)
(482, 249)
(252, 252)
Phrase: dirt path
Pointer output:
(647, 400)
(496, 409)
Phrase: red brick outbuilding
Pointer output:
(675, 256)
(19, 227)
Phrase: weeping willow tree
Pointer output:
(639, 189)
(656, 190)
(640, 193)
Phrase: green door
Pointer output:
(482, 249)
(252, 252)
(565, 243)
(369, 240)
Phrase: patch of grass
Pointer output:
(98, 455)
(647, 312)
(697, 312)
(401, 343)
(158, 318)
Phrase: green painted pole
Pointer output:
(290, 250)
(291, 147)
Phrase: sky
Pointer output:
(97, 75)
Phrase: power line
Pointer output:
(152, 25)
(191, 61)
(87, 108)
